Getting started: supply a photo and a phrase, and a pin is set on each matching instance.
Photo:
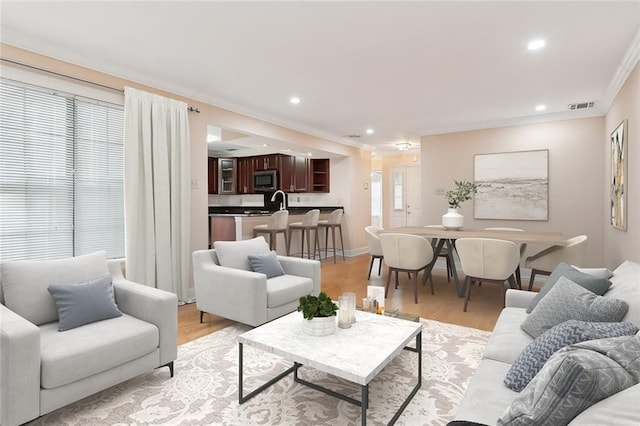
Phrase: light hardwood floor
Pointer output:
(351, 276)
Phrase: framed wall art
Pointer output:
(619, 176)
(512, 185)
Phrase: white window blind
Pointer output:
(61, 174)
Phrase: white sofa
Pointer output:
(226, 284)
(42, 369)
(487, 397)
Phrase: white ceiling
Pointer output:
(405, 69)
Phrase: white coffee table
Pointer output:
(356, 354)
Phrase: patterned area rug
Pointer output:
(204, 390)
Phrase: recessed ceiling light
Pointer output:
(369, 131)
(265, 144)
(294, 100)
(536, 44)
(309, 154)
(541, 107)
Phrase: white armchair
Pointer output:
(227, 286)
(43, 369)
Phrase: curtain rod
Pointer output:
(59, 74)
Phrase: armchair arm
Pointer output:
(19, 368)
(230, 293)
(153, 305)
(303, 268)
(518, 298)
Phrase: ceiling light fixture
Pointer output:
(369, 131)
(541, 107)
(403, 146)
(294, 100)
(536, 44)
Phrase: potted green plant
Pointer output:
(319, 314)
(463, 191)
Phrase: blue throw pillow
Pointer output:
(536, 354)
(84, 303)
(267, 264)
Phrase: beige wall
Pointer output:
(624, 245)
(346, 175)
(576, 167)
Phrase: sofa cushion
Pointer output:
(596, 284)
(287, 288)
(626, 286)
(84, 303)
(507, 340)
(575, 378)
(235, 254)
(567, 300)
(267, 264)
(534, 356)
(486, 397)
(25, 283)
(93, 348)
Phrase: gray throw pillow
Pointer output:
(267, 264)
(566, 301)
(535, 355)
(595, 283)
(575, 378)
(84, 303)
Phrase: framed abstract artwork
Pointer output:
(512, 185)
(619, 176)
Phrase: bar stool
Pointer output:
(334, 221)
(277, 224)
(309, 223)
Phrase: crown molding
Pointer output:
(627, 64)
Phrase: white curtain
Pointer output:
(157, 191)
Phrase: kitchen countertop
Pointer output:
(262, 211)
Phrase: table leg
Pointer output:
(460, 285)
(364, 403)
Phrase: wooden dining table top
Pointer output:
(550, 238)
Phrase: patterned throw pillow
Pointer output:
(575, 378)
(536, 354)
(566, 301)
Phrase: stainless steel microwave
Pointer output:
(265, 180)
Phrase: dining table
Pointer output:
(447, 237)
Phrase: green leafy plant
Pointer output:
(320, 306)
(461, 193)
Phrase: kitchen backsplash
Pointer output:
(315, 200)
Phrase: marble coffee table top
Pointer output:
(356, 354)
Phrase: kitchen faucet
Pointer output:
(283, 204)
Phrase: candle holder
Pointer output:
(352, 306)
(344, 315)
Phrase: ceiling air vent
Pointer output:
(582, 105)
(352, 136)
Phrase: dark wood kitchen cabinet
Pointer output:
(294, 173)
(320, 175)
(245, 175)
(228, 175)
(213, 175)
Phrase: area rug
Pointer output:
(204, 390)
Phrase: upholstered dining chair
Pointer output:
(445, 252)
(277, 225)
(334, 221)
(487, 260)
(308, 225)
(522, 246)
(406, 253)
(544, 262)
(374, 246)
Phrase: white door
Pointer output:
(406, 201)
